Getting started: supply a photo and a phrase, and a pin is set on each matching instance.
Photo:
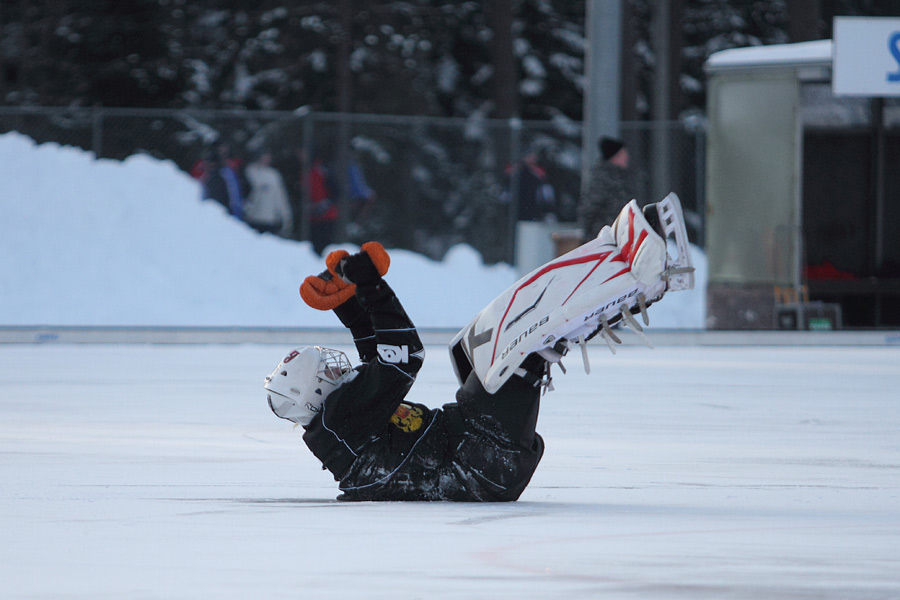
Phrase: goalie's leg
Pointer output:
(514, 406)
(612, 278)
(497, 447)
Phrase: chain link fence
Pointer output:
(438, 181)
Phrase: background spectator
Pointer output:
(268, 209)
(362, 198)
(321, 194)
(610, 186)
(222, 180)
(537, 200)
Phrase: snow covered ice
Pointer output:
(681, 472)
(158, 471)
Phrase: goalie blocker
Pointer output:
(581, 294)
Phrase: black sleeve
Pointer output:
(354, 317)
(360, 410)
(397, 342)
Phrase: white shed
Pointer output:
(800, 199)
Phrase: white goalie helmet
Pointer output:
(302, 381)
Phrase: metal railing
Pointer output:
(439, 181)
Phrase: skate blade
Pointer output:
(679, 272)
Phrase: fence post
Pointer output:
(97, 131)
(305, 200)
(515, 149)
(700, 185)
(341, 161)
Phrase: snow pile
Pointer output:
(102, 242)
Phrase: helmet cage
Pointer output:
(333, 364)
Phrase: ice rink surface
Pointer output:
(157, 471)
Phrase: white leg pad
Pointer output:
(640, 244)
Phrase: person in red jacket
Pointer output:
(321, 194)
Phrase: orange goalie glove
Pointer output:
(328, 290)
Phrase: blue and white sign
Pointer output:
(866, 56)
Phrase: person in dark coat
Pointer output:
(357, 422)
(610, 186)
(536, 198)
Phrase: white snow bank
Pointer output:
(101, 242)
